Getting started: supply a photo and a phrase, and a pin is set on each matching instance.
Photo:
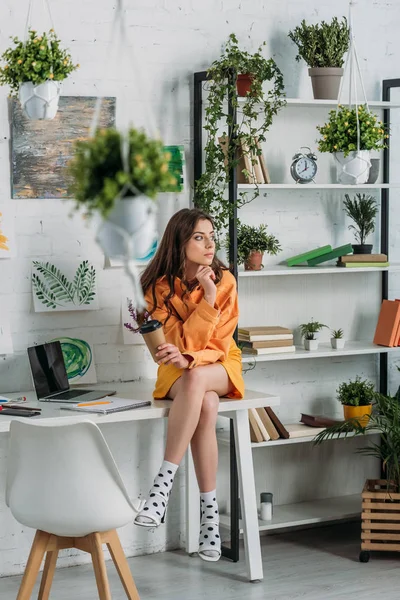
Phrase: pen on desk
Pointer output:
(93, 403)
(20, 399)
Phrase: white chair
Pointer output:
(63, 481)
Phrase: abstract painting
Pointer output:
(71, 285)
(78, 359)
(176, 165)
(7, 233)
(41, 150)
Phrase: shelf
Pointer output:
(272, 270)
(311, 103)
(304, 513)
(324, 351)
(316, 186)
(224, 440)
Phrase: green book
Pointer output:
(362, 264)
(335, 253)
(300, 258)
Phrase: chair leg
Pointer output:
(33, 565)
(121, 564)
(48, 574)
(99, 566)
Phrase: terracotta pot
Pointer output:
(243, 84)
(254, 261)
(360, 413)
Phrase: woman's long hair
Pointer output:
(170, 257)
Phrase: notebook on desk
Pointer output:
(107, 405)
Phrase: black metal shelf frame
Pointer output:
(200, 78)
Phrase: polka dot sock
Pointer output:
(209, 541)
(154, 509)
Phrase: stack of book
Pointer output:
(387, 332)
(265, 340)
(316, 256)
(250, 168)
(363, 260)
(265, 425)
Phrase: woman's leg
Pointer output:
(204, 444)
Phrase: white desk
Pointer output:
(234, 409)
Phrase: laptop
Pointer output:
(50, 376)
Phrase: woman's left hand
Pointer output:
(168, 354)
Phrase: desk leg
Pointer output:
(192, 506)
(247, 490)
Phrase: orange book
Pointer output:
(397, 340)
(388, 323)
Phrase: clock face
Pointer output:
(304, 169)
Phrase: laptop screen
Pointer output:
(48, 369)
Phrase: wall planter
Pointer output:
(326, 82)
(352, 169)
(380, 518)
(40, 101)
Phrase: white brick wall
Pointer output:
(171, 40)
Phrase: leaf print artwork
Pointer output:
(68, 288)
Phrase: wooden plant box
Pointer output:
(380, 526)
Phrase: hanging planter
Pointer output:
(119, 177)
(34, 70)
(352, 169)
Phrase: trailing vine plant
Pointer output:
(254, 117)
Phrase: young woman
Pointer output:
(191, 292)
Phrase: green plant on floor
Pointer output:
(39, 59)
(251, 239)
(339, 134)
(323, 44)
(98, 175)
(337, 334)
(384, 420)
(308, 330)
(256, 115)
(358, 392)
(362, 209)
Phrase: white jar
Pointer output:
(266, 509)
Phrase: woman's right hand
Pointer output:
(206, 276)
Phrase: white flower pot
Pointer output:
(337, 343)
(130, 226)
(354, 168)
(311, 344)
(40, 101)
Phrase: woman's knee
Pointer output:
(209, 408)
(193, 378)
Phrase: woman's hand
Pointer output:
(206, 277)
(168, 354)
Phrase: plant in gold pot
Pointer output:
(356, 397)
(252, 243)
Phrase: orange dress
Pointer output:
(200, 330)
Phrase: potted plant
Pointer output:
(122, 196)
(323, 47)
(337, 339)
(252, 242)
(260, 105)
(34, 69)
(309, 332)
(356, 397)
(350, 134)
(362, 210)
(380, 498)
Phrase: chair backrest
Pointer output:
(62, 479)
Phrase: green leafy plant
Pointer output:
(308, 330)
(254, 119)
(56, 290)
(356, 393)
(362, 210)
(322, 45)
(339, 134)
(254, 238)
(384, 420)
(337, 334)
(38, 59)
(98, 174)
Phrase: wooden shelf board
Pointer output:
(324, 351)
(303, 513)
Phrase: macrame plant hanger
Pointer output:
(50, 101)
(352, 65)
(130, 239)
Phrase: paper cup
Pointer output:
(153, 335)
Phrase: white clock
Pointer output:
(304, 166)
